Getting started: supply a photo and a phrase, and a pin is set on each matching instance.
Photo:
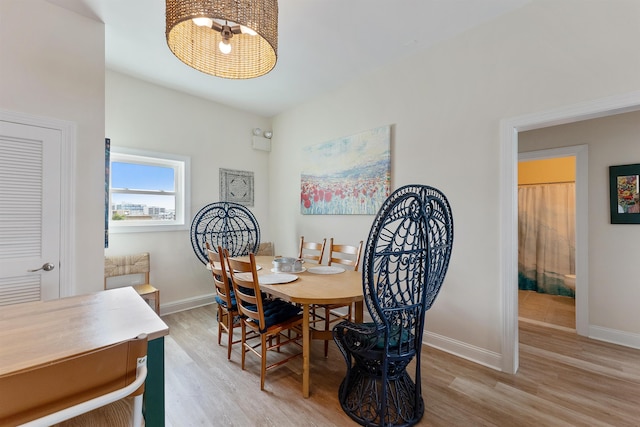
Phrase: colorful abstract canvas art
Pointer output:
(347, 176)
(624, 194)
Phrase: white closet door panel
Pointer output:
(29, 212)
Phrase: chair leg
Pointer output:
(157, 301)
(220, 321)
(230, 333)
(243, 342)
(263, 360)
(137, 411)
(326, 328)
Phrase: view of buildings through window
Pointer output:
(142, 192)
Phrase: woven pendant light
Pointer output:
(246, 29)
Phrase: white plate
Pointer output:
(273, 270)
(326, 269)
(274, 279)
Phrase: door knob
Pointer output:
(47, 266)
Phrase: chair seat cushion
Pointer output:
(223, 303)
(249, 291)
(397, 337)
(277, 311)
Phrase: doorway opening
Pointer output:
(509, 130)
(547, 240)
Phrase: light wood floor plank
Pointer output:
(563, 380)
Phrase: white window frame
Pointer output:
(182, 167)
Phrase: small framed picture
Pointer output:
(624, 194)
(236, 186)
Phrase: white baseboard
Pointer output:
(494, 360)
(472, 353)
(614, 336)
(186, 304)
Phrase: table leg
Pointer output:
(306, 347)
(154, 385)
(359, 308)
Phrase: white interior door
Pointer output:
(29, 213)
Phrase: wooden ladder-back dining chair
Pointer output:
(405, 262)
(345, 254)
(96, 388)
(225, 298)
(266, 249)
(312, 251)
(125, 265)
(269, 319)
(348, 256)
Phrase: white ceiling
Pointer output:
(322, 44)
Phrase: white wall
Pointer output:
(52, 65)
(446, 106)
(145, 116)
(613, 248)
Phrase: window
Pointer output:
(147, 191)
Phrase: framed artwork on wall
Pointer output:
(624, 194)
(236, 186)
(347, 176)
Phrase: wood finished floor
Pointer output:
(548, 309)
(563, 380)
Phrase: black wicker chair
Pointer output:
(226, 224)
(405, 261)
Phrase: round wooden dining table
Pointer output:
(311, 288)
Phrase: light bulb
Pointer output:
(224, 47)
(203, 22)
(247, 30)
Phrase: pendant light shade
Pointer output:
(234, 39)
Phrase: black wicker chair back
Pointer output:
(405, 261)
(226, 224)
